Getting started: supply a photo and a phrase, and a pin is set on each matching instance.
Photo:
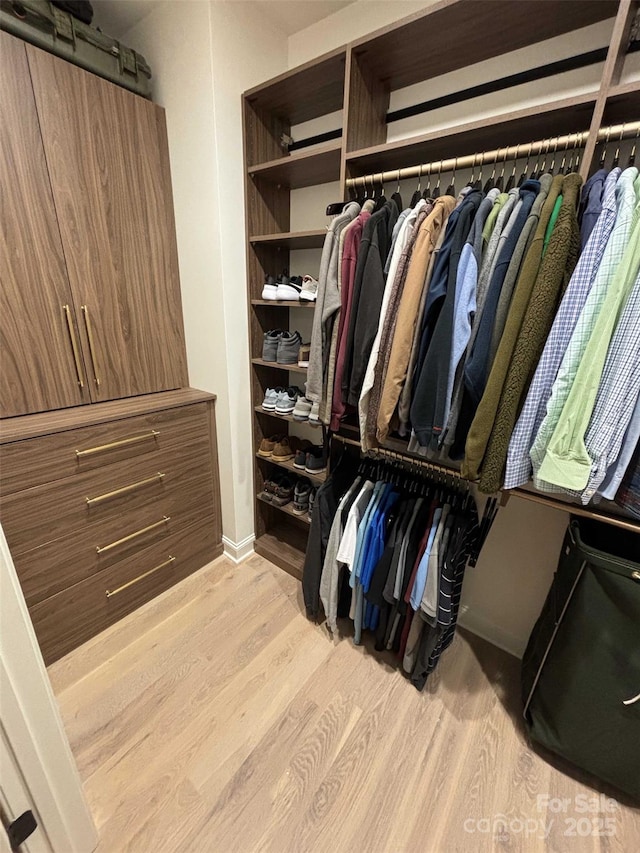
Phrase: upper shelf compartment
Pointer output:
(303, 168)
(569, 115)
(308, 91)
(407, 53)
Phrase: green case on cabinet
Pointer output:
(44, 25)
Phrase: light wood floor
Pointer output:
(217, 718)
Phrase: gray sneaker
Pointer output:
(286, 401)
(270, 345)
(315, 462)
(309, 292)
(302, 409)
(288, 348)
(271, 398)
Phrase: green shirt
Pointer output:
(489, 225)
(627, 216)
(567, 462)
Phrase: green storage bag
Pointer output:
(581, 668)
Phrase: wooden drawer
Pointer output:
(35, 461)
(124, 495)
(69, 559)
(71, 617)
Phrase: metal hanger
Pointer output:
(500, 180)
(436, 192)
(632, 156)
(616, 156)
(451, 189)
(492, 176)
(604, 150)
(415, 198)
(523, 176)
(512, 177)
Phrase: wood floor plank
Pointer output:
(220, 720)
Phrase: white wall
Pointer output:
(203, 56)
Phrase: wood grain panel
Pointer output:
(17, 429)
(37, 461)
(60, 564)
(453, 34)
(103, 154)
(301, 169)
(69, 618)
(38, 368)
(366, 105)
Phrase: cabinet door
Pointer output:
(109, 180)
(37, 325)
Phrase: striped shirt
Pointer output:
(518, 468)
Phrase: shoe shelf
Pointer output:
(316, 479)
(292, 368)
(287, 509)
(303, 168)
(290, 418)
(292, 239)
(285, 545)
(273, 303)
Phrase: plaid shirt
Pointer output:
(566, 461)
(518, 467)
(617, 394)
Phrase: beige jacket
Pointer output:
(407, 318)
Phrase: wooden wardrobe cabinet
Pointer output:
(100, 187)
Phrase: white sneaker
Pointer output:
(314, 414)
(309, 292)
(289, 289)
(302, 409)
(269, 289)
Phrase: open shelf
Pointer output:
(292, 239)
(308, 91)
(287, 509)
(622, 101)
(291, 368)
(409, 51)
(282, 303)
(568, 115)
(289, 418)
(316, 479)
(303, 168)
(285, 545)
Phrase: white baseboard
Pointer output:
(488, 630)
(238, 551)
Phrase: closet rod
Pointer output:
(404, 457)
(613, 133)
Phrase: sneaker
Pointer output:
(270, 289)
(271, 398)
(302, 409)
(303, 355)
(316, 461)
(267, 445)
(271, 344)
(288, 347)
(283, 493)
(314, 414)
(289, 288)
(301, 455)
(283, 451)
(309, 291)
(286, 401)
(312, 501)
(301, 495)
(270, 487)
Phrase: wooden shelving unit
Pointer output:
(316, 479)
(289, 368)
(359, 79)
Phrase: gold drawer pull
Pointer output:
(116, 493)
(74, 344)
(123, 442)
(164, 520)
(92, 353)
(112, 592)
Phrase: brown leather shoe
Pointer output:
(267, 445)
(283, 451)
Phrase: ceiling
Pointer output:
(115, 17)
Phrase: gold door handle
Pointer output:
(74, 344)
(112, 592)
(164, 520)
(123, 442)
(87, 322)
(132, 487)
